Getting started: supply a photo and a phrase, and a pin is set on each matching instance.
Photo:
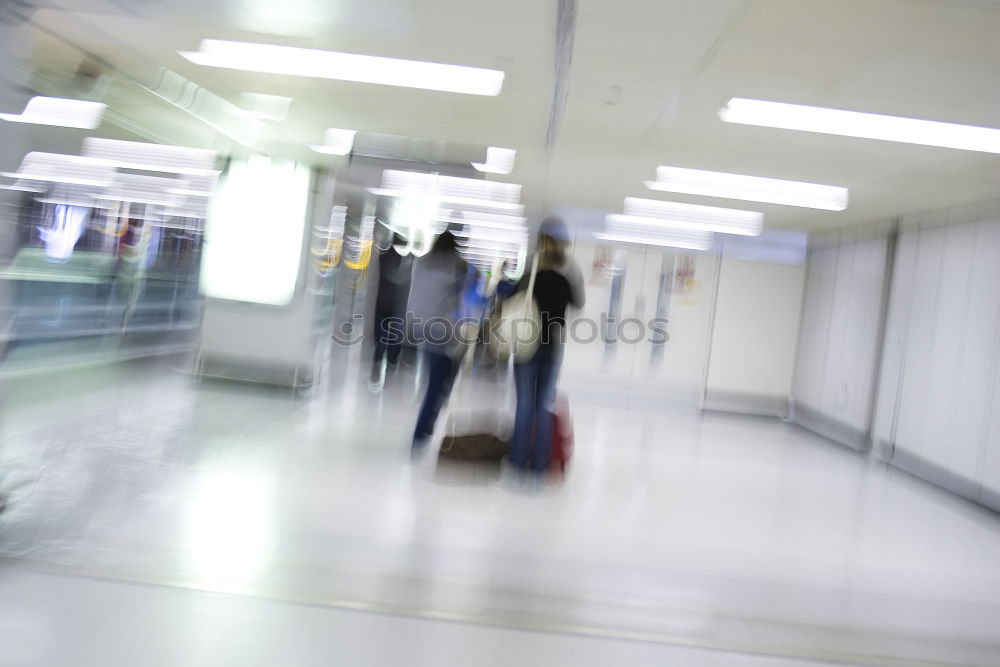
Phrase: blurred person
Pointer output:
(475, 299)
(394, 273)
(558, 285)
(504, 285)
(435, 299)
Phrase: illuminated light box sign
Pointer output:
(254, 232)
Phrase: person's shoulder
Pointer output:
(554, 279)
(554, 274)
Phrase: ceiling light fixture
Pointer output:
(657, 241)
(695, 217)
(60, 168)
(662, 241)
(749, 188)
(449, 199)
(295, 61)
(498, 161)
(651, 231)
(143, 156)
(263, 107)
(59, 112)
(20, 188)
(335, 142)
(860, 124)
(450, 190)
(483, 220)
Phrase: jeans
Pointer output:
(386, 340)
(535, 381)
(441, 370)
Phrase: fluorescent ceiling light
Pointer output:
(415, 182)
(695, 217)
(449, 199)
(65, 201)
(188, 192)
(20, 188)
(336, 142)
(493, 221)
(151, 157)
(859, 124)
(749, 188)
(149, 200)
(498, 161)
(488, 252)
(194, 186)
(263, 107)
(138, 189)
(450, 190)
(491, 244)
(663, 241)
(59, 112)
(651, 231)
(60, 168)
(275, 59)
(474, 236)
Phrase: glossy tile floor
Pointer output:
(157, 520)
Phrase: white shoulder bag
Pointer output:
(518, 330)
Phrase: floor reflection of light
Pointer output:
(230, 524)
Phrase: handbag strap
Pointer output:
(531, 284)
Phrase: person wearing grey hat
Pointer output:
(558, 285)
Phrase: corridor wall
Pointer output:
(938, 405)
(839, 339)
(754, 332)
(679, 286)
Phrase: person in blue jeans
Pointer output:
(435, 295)
(558, 285)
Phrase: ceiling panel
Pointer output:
(672, 17)
(646, 83)
(799, 55)
(862, 23)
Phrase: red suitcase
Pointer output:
(562, 436)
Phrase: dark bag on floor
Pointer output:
(474, 447)
(476, 430)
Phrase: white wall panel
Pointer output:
(814, 335)
(990, 474)
(939, 396)
(967, 436)
(808, 361)
(754, 336)
(919, 341)
(863, 330)
(838, 343)
(835, 392)
(947, 340)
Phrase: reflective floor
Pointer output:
(157, 520)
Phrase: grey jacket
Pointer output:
(435, 294)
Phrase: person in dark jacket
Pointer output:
(394, 271)
(558, 285)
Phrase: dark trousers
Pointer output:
(441, 370)
(388, 343)
(535, 381)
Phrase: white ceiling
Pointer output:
(647, 80)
